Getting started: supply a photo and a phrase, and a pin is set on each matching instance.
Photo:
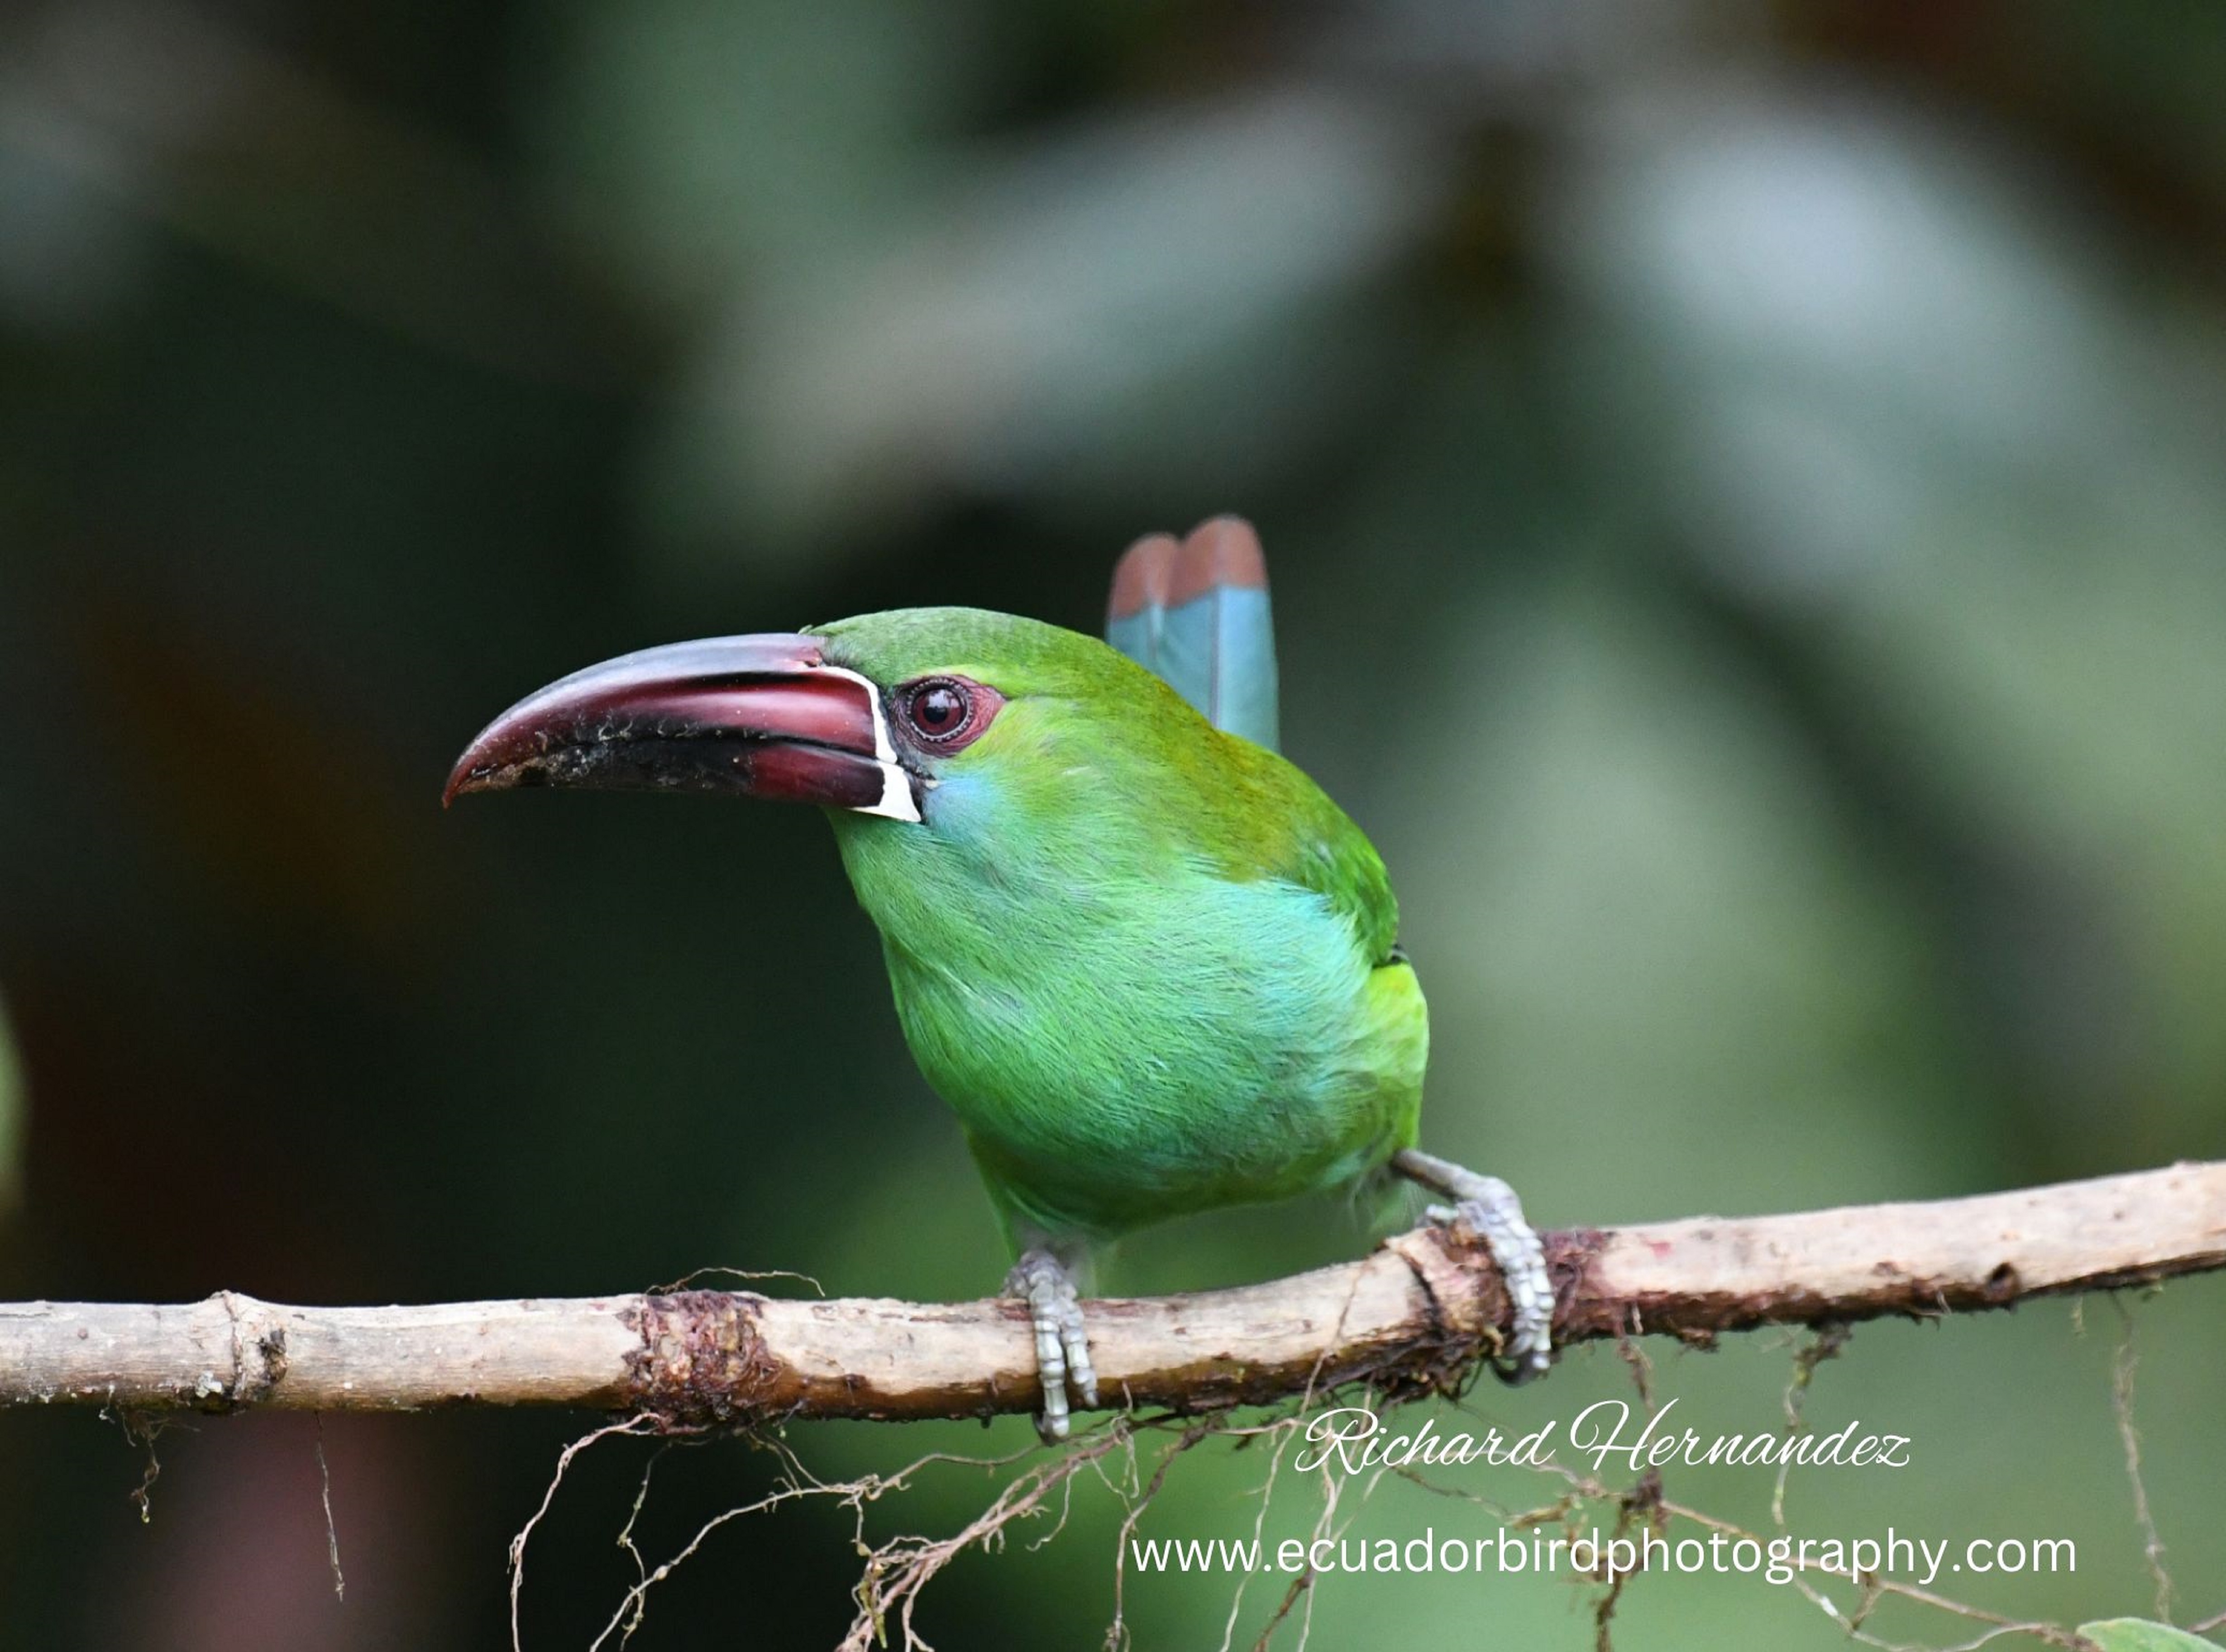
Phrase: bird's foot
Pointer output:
(1041, 1280)
(1488, 1207)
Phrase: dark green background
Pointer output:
(1744, 487)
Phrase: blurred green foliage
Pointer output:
(1743, 487)
(2140, 1635)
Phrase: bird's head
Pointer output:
(874, 715)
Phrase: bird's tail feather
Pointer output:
(1195, 610)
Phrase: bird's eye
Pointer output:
(940, 710)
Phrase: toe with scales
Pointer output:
(1488, 1207)
(1041, 1280)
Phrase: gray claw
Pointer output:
(1062, 1339)
(1489, 1208)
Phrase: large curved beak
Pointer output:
(765, 716)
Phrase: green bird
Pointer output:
(1149, 963)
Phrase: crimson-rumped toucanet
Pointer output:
(1151, 967)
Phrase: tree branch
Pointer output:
(1411, 1316)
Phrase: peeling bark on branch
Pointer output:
(1411, 1315)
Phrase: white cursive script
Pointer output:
(1598, 1432)
(1355, 1438)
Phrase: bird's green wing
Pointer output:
(1195, 610)
(1262, 817)
(1338, 863)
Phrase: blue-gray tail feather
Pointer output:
(1217, 648)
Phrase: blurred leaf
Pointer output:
(2140, 1635)
(699, 144)
(1169, 294)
